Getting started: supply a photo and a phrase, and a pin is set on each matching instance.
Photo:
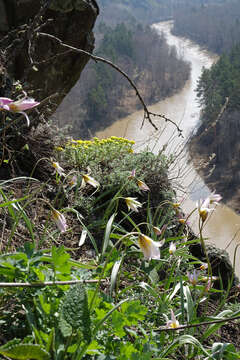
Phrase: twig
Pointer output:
(167, 120)
(50, 283)
(182, 327)
(31, 33)
(147, 113)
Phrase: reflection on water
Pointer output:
(223, 224)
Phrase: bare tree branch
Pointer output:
(147, 113)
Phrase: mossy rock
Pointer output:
(220, 262)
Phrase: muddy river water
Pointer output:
(223, 226)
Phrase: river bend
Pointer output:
(223, 226)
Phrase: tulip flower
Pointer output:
(142, 186)
(59, 220)
(173, 323)
(149, 247)
(86, 179)
(132, 203)
(58, 168)
(176, 205)
(214, 199)
(172, 248)
(18, 106)
(158, 231)
(204, 266)
(204, 205)
(193, 277)
(204, 209)
(132, 175)
(73, 181)
(209, 285)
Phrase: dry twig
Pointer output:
(147, 113)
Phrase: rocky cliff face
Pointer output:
(41, 64)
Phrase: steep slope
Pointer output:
(217, 139)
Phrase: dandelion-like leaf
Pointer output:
(75, 311)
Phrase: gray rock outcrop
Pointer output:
(54, 69)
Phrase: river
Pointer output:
(223, 226)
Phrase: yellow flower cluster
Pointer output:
(111, 144)
(99, 142)
(83, 151)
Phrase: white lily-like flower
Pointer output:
(59, 220)
(204, 205)
(204, 209)
(73, 181)
(58, 168)
(132, 175)
(149, 247)
(132, 203)
(214, 198)
(18, 106)
(173, 323)
(142, 186)
(172, 248)
(86, 179)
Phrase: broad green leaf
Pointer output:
(72, 348)
(76, 312)
(61, 260)
(118, 322)
(134, 312)
(94, 348)
(112, 311)
(127, 350)
(25, 352)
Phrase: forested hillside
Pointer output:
(144, 11)
(214, 24)
(219, 95)
(103, 95)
